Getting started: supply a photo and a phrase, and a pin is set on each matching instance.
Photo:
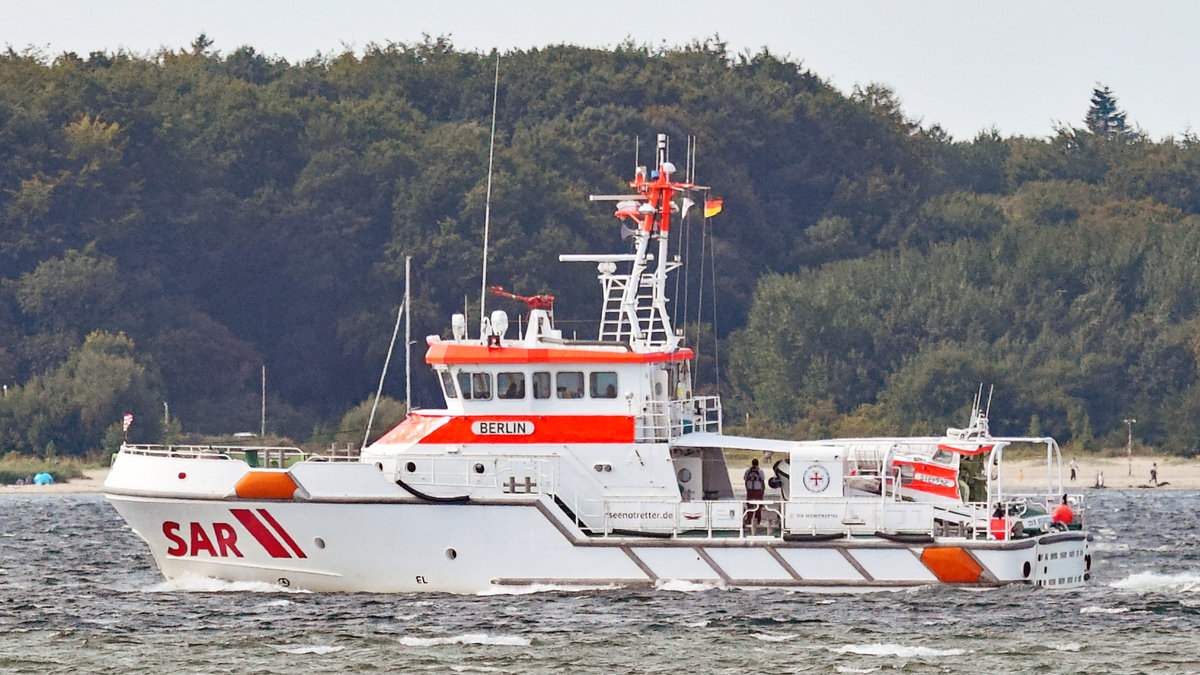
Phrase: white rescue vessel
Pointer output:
(582, 464)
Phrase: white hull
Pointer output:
(389, 542)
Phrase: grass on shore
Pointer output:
(14, 467)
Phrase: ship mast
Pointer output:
(635, 305)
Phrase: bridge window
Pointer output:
(570, 384)
(541, 384)
(475, 385)
(448, 384)
(603, 384)
(510, 385)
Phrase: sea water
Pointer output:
(79, 593)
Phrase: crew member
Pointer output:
(756, 483)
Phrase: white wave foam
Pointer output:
(275, 603)
(1103, 610)
(681, 586)
(476, 669)
(467, 639)
(540, 588)
(313, 649)
(1068, 647)
(1149, 582)
(194, 583)
(848, 669)
(765, 637)
(903, 651)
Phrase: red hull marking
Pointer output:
(260, 532)
(178, 546)
(441, 352)
(546, 429)
(944, 473)
(287, 538)
(413, 429)
(963, 451)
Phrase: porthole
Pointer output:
(451, 553)
(478, 468)
(320, 543)
(410, 467)
(1027, 569)
(379, 465)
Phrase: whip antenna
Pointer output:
(487, 204)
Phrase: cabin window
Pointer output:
(448, 384)
(475, 385)
(603, 384)
(541, 385)
(570, 384)
(510, 385)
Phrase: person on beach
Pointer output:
(1154, 474)
(1073, 468)
(756, 483)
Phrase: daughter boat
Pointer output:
(590, 463)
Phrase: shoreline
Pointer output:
(1174, 473)
(92, 481)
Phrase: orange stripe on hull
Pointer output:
(952, 565)
(412, 429)
(546, 429)
(265, 485)
(441, 352)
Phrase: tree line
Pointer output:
(172, 223)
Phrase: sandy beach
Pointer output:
(92, 481)
(1176, 472)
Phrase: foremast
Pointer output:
(635, 303)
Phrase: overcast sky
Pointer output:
(1018, 65)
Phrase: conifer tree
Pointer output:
(1104, 119)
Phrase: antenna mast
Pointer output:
(487, 205)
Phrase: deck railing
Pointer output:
(662, 421)
(257, 456)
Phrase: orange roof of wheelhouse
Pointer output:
(449, 353)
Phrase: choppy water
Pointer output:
(79, 593)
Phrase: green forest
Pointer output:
(172, 224)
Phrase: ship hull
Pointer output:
(388, 546)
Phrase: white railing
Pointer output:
(275, 457)
(779, 519)
(663, 421)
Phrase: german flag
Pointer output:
(712, 207)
